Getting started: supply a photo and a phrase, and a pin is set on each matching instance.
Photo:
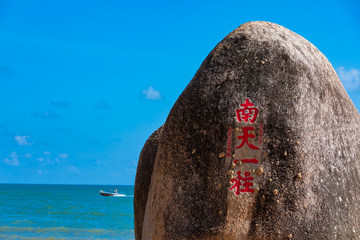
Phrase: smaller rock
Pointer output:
(275, 192)
(259, 170)
(299, 176)
(221, 155)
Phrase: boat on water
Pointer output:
(111, 193)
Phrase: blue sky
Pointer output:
(85, 83)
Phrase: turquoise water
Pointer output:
(35, 211)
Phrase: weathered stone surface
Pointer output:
(143, 178)
(306, 182)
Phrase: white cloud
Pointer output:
(13, 155)
(39, 172)
(28, 155)
(152, 94)
(98, 162)
(46, 153)
(12, 162)
(64, 155)
(21, 140)
(57, 160)
(72, 169)
(40, 159)
(14, 159)
(49, 161)
(350, 79)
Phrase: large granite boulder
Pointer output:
(262, 144)
(143, 178)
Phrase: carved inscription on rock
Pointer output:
(246, 150)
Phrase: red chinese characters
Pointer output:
(247, 112)
(246, 150)
(245, 138)
(246, 183)
(252, 160)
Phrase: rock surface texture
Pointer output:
(262, 144)
(143, 178)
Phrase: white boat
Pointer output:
(111, 193)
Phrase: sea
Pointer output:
(51, 212)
